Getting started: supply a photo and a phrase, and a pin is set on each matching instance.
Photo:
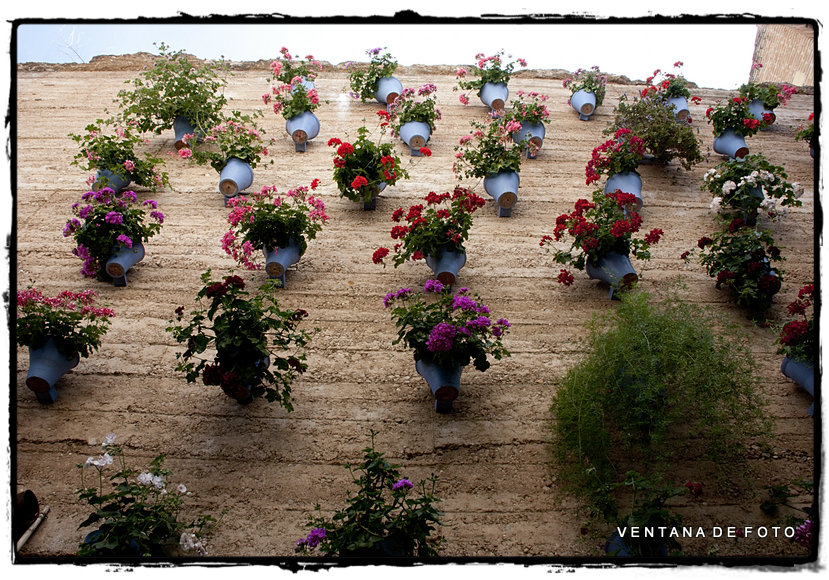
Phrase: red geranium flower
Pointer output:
(345, 149)
(425, 151)
(379, 254)
(339, 162)
(333, 141)
(565, 278)
(653, 236)
(359, 182)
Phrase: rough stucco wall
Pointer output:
(787, 53)
(267, 467)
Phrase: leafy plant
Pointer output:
(110, 221)
(175, 87)
(658, 382)
(407, 107)
(797, 337)
(110, 147)
(383, 517)
(292, 99)
(807, 133)
(667, 85)
(445, 327)
(286, 68)
(488, 69)
(489, 148)
(269, 220)
(70, 319)
(139, 515)
(622, 154)
(434, 230)
(734, 114)
(528, 107)
(237, 135)
(770, 94)
(591, 80)
(258, 350)
(363, 79)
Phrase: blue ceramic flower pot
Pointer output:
(46, 366)
(731, 143)
(121, 260)
(278, 260)
(533, 134)
(181, 127)
(371, 204)
(106, 178)
(447, 265)
(387, 90)
(584, 102)
(494, 95)
(680, 106)
(302, 128)
(308, 85)
(758, 109)
(627, 181)
(443, 380)
(801, 372)
(503, 187)
(415, 134)
(236, 176)
(615, 270)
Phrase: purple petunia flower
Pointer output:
(401, 484)
(503, 322)
(158, 216)
(124, 239)
(392, 295)
(150, 203)
(803, 534)
(480, 322)
(114, 217)
(464, 303)
(433, 286)
(441, 338)
(84, 212)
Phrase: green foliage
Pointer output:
(407, 107)
(770, 94)
(384, 512)
(286, 69)
(235, 135)
(489, 69)
(528, 107)
(657, 384)
(175, 87)
(591, 80)
(363, 80)
(489, 148)
(361, 167)
(257, 349)
(734, 114)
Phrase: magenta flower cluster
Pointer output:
(312, 540)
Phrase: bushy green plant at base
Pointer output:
(659, 384)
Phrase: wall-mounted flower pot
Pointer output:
(503, 187)
(584, 102)
(121, 260)
(387, 90)
(534, 134)
(236, 176)
(415, 134)
(106, 178)
(242, 393)
(443, 380)
(680, 106)
(371, 204)
(181, 127)
(279, 260)
(758, 110)
(46, 366)
(801, 372)
(308, 85)
(494, 95)
(302, 128)
(731, 143)
(627, 181)
(615, 270)
(447, 265)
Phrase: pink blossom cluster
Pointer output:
(82, 302)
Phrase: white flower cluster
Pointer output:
(157, 481)
(190, 541)
(101, 462)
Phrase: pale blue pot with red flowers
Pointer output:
(534, 134)
(494, 95)
(447, 264)
(731, 143)
(278, 260)
(415, 134)
(444, 380)
(680, 106)
(628, 182)
(302, 128)
(388, 89)
(106, 178)
(46, 365)
(503, 187)
(235, 177)
(584, 102)
(615, 270)
(801, 372)
(122, 259)
(759, 111)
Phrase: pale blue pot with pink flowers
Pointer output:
(302, 128)
(503, 187)
(494, 95)
(446, 265)
(46, 365)
(387, 90)
(181, 127)
(444, 381)
(121, 260)
(415, 134)
(533, 134)
(236, 176)
(615, 270)
(584, 102)
(278, 260)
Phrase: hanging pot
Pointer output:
(584, 102)
(46, 365)
(758, 110)
(279, 260)
(371, 204)
(181, 127)
(731, 143)
(680, 106)
(534, 134)
(447, 265)
(307, 84)
(415, 134)
(121, 260)
(106, 178)
(443, 380)
(749, 214)
(243, 393)
(503, 187)
(627, 181)
(236, 176)
(302, 128)
(801, 372)
(615, 270)
(494, 95)
(387, 90)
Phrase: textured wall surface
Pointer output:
(493, 454)
(787, 53)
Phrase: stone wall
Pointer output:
(787, 53)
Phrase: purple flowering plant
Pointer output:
(106, 221)
(447, 327)
(363, 78)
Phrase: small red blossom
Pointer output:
(685, 255)
(379, 254)
(654, 236)
(736, 224)
(425, 151)
(545, 240)
(315, 183)
(397, 215)
(345, 149)
(359, 182)
(793, 332)
(398, 232)
(565, 277)
(384, 114)
(339, 162)
(704, 241)
(417, 255)
(333, 142)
